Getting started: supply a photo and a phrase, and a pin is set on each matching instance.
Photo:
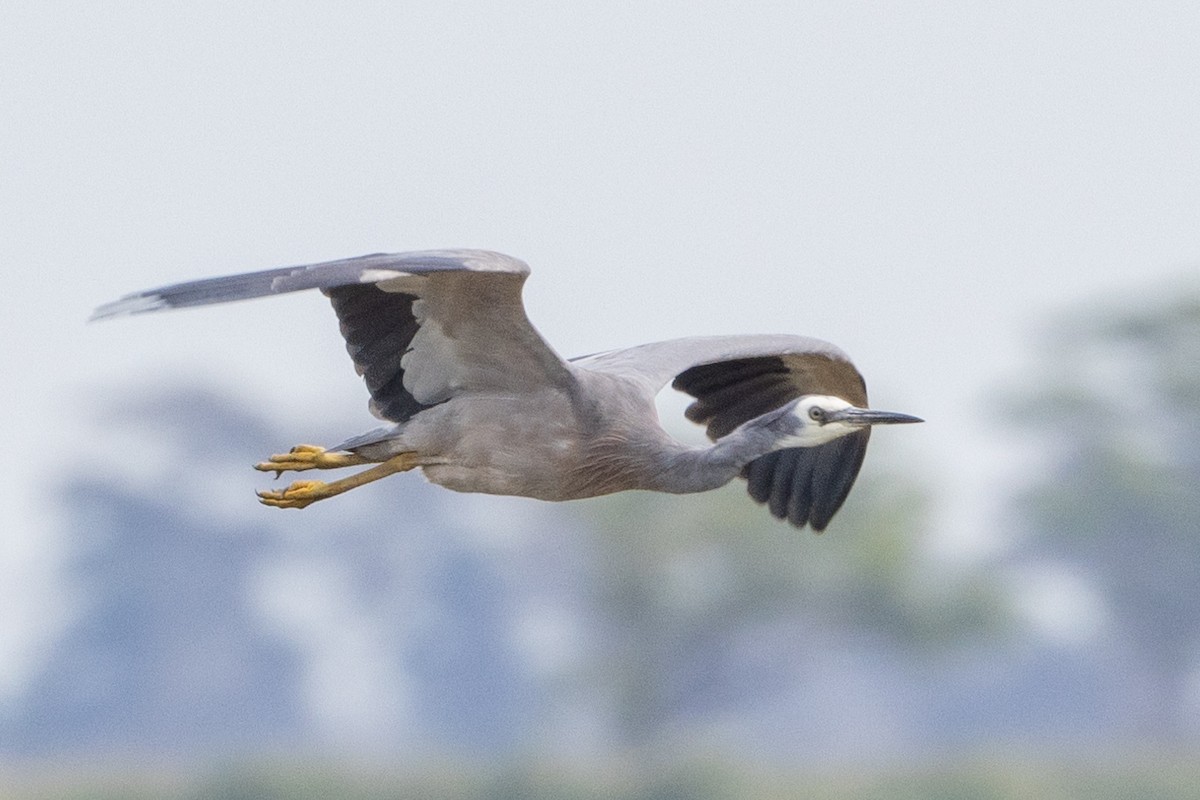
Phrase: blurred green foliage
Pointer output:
(683, 583)
(720, 554)
(983, 779)
(1115, 409)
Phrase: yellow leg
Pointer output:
(308, 456)
(303, 493)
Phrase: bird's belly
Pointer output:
(521, 453)
(550, 470)
(494, 480)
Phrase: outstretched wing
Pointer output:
(420, 327)
(737, 378)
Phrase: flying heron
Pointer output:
(481, 403)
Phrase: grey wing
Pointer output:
(421, 327)
(736, 378)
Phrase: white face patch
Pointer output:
(809, 412)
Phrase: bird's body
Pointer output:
(480, 402)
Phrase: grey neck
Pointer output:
(682, 469)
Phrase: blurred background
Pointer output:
(995, 210)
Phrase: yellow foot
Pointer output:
(303, 493)
(308, 456)
(298, 495)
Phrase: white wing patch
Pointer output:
(489, 261)
(378, 275)
(399, 282)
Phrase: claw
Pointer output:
(302, 493)
(307, 456)
(298, 495)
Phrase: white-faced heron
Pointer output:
(481, 403)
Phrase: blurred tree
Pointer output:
(165, 654)
(711, 604)
(470, 689)
(1116, 412)
(205, 627)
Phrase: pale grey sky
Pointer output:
(921, 183)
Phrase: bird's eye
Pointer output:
(817, 414)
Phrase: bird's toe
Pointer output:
(298, 495)
(307, 456)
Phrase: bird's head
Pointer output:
(815, 419)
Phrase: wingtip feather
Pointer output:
(129, 304)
